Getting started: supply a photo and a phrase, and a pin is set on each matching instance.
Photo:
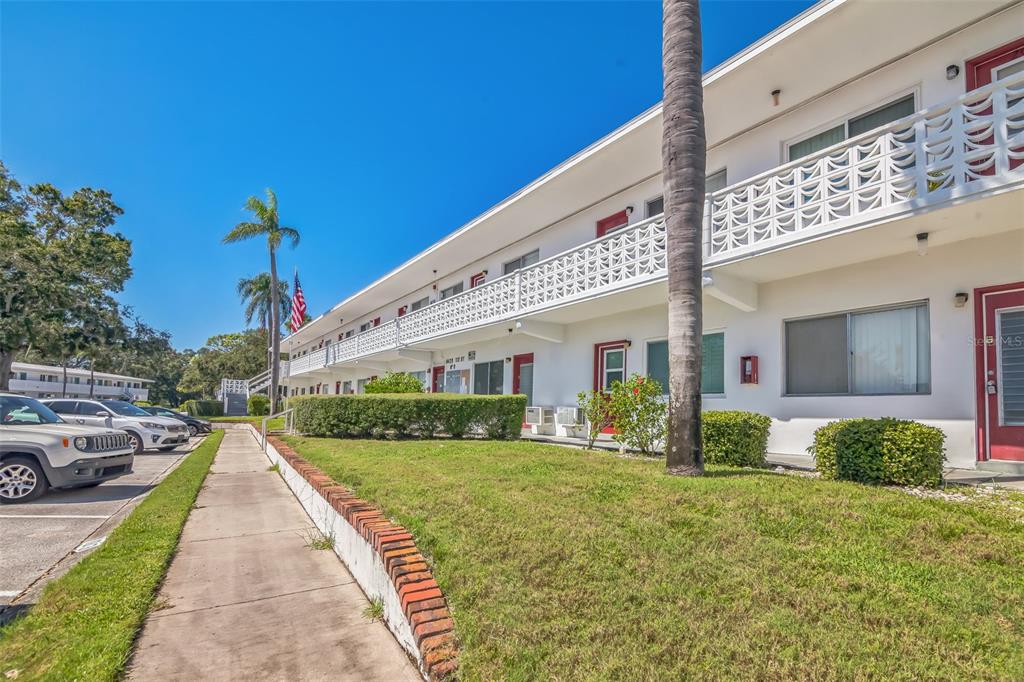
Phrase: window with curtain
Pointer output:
(883, 351)
(712, 370)
(887, 113)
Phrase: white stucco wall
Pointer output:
(561, 370)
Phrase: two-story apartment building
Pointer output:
(47, 381)
(863, 247)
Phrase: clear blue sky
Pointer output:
(382, 127)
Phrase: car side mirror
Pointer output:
(102, 413)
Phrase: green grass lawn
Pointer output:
(277, 423)
(562, 564)
(85, 623)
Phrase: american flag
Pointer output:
(298, 306)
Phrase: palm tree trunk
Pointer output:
(92, 377)
(683, 154)
(64, 388)
(275, 327)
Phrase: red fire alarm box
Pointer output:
(748, 369)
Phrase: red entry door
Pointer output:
(437, 380)
(999, 325)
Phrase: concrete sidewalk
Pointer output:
(246, 599)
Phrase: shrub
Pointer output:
(885, 451)
(638, 414)
(735, 438)
(204, 408)
(596, 410)
(394, 382)
(258, 405)
(421, 415)
(142, 403)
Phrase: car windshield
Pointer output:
(124, 409)
(16, 411)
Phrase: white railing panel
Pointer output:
(929, 156)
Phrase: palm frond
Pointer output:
(243, 231)
(291, 234)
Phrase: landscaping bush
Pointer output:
(638, 414)
(204, 408)
(883, 451)
(142, 403)
(400, 415)
(595, 408)
(258, 405)
(735, 438)
(394, 382)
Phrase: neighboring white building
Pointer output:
(864, 245)
(46, 381)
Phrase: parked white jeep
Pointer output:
(144, 430)
(38, 451)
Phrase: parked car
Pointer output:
(144, 430)
(195, 426)
(39, 451)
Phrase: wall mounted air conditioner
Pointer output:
(540, 416)
(568, 416)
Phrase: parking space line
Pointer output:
(54, 516)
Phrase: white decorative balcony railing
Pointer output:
(936, 154)
(973, 143)
(629, 256)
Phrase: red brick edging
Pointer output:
(423, 603)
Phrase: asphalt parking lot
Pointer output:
(41, 540)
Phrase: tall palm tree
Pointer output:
(683, 152)
(255, 295)
(267, 225)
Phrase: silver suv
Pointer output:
(38, 451)
(144, 430)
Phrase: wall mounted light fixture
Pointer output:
(960, 299)
(952, 71)
(775, 97)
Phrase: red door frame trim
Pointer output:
(477, 279)
(612, 223)
(980, 396)
(435, 374)
(517, 361)
(599, 349)
(979, 69)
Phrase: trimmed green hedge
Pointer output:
(735, 438)
(882, 451)
(402, 415)
(258, 405)
(204, 408)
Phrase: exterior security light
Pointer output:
(960, 299)
(775, 97)
(952, 71)
(922, 243)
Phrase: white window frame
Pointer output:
(605, 385)
(784, 364)
(441, 295)
(844, 120)
(504, 266)
(647, 205)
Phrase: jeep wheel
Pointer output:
(193, 430)
(135, 440)
(21, 480)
